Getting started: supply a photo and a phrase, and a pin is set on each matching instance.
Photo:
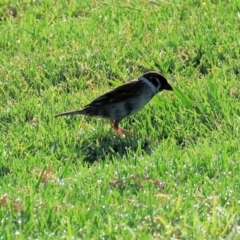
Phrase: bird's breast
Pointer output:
(140, 101)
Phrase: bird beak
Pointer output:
(168, 87)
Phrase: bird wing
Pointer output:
(119, 94)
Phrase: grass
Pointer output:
(72, 178)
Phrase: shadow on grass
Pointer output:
(4, 170)
(110, 147)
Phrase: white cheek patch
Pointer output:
(153, 88)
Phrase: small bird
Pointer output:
(124, 100)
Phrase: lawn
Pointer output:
(177, 177)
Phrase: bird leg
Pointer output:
(118, 129)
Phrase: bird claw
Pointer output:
(119, 130)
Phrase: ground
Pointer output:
(177, 177)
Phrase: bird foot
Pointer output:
(119, 130)
(126, 130)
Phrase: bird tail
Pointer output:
(70, 113)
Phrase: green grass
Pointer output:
(178, 177)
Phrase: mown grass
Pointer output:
(72, 177)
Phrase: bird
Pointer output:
(124, 100)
